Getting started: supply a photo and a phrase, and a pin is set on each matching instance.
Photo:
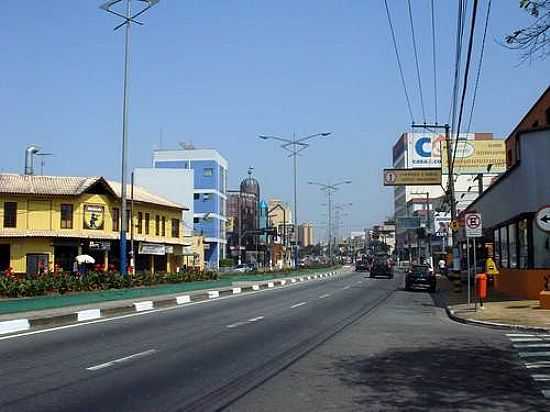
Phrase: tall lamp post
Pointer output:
(330, 188)
(128, 18)
(295, 146)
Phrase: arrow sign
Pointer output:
(543, 218)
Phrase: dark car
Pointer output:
(420, 275)
(381, 266)
(361, 266)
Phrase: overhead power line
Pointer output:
(434, 59)
(399, 61)
(416, 60)
(465, 81)
(458, 61)
(480, 65)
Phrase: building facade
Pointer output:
(46, 221)
(209, 194)
(305, 235)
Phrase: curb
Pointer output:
(22, 325)
(494, 325)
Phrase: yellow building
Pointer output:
(46, 221)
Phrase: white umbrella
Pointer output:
(80, 259)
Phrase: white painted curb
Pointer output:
(88, 314)
(10, 326)
(270, 284)
(213, 294)
(283, 282)
(183, 299)
(141, 306)
(292, 280)
(236, 290)
(255, 287)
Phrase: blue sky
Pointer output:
(218, 73)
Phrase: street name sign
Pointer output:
(412, 177)
(408, 222)
(543, 218)
(472, 225)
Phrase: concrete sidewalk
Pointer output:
(39, 319)
(500, 311)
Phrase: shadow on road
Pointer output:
(441, 378)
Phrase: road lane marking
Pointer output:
(298, 305)
(537, 365)
(540, 378)
(235, 325)
(255, 319)
(546, 393)
(347, 287)
(533, 354)
(520, 335)
(531, 345)
(526, 339)
(121, 360)
(324, 296)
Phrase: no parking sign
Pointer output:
(472, 224)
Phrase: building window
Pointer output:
(547, 114)
(157, 225)
(535, 123)
(504, 246)
(523, 243)
(129, 218)
(205, 197)
(196, 196)
(163, 227)
(208, 172)
(195, 220)
(66, 216)
(147, 222)
(140, 223)
(10, 214)
(497, 247)
(513, 257)
(116, 219)
(175, 228)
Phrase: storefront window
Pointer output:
(513, 258)
(541, 248)
(497, 247)
(116, 219)
(523, 244)
(504, 246)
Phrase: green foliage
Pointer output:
(61, 283)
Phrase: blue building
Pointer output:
(209, 194)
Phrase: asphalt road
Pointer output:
(349, 344)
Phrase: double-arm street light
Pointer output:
(128, 18)
(295, 146)
(330, 188)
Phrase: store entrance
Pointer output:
(4, 257)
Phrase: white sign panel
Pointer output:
(472, 225)
(543, 218)
(424, 149)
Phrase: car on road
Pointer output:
(362, 266)
(381, 266)
(243, 268)
(420, 276)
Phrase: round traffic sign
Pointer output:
(472, 221)
(389, 177)
(543, 218)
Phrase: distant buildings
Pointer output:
(305, 235)
(209, 194)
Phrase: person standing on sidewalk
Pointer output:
(442, 266)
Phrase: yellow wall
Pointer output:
(19, 248)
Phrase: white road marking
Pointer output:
(297, 305)
(541, 377)
(347, 287)
(537, 365)
(324, 296)
(531, 345)
(234, 325)
(88, 314)
(546, 393)
(255, 287)
(520, 335)
(17, 325)
(270, 284)
(255, 319)
(213, 294)
(141, 306)
(237, 290)
(180, 300)
(533, 354)
(121, 360)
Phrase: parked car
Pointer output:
(243, 268)
(381, 266)
(420, 275)
(361, 266)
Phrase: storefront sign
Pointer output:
(442, 222)
(100, 245)
(411, 177)
(169, 249)
(472, 225)
(474, 156)
(93, 217)
(152, 249)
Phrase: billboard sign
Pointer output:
(442, 222)
(411, 177)
(474, 156)
(425, 149)
(408, 222)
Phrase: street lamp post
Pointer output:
(330, 188)
(295, 146)
(128, 18)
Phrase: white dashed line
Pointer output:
(235, 325)
(255, 319)
(533, 354)
(541, 378)
(526, 340)
(520, 335)
(297, 305)
(531, 345)
(537, 365)
(121, 360)
(546, 394)
(324, 296)
(347, 287)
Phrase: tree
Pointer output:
(533, 40)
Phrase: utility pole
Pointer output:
(450, 184)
